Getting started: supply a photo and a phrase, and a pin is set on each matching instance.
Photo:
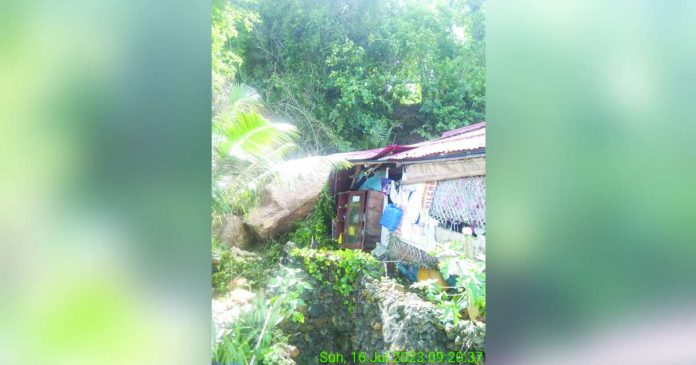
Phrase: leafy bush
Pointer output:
(469, 291)
(316, 228)
(256, 336)
(470, 276)
(288, 288)
(339, 268)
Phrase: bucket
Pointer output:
(391, 217)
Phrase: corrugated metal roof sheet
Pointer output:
(474, 138)
(359, 155)
(373, 154)
(441, 148)
(454, 142)
(469, 128)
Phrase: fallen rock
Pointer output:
(241, 296)
(290, 196)
(226, 310)
(292, 351)
(230, 231)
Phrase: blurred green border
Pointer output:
(590, 171)
(105, 113)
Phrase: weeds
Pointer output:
(255, 266)
(256, 336)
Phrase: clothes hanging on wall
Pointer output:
(409, 199)
(393, 193)
(386, 185)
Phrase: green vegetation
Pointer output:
(288, 287)
(469, 292)
(256, 267)
(231, 24)
(316, 228)
(357, 74)
(347, 75)
(339, 268)
(255, 337)
(246, 147)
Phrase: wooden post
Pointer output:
(355, 176)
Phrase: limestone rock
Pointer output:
(230, 231)
(292, 351)
(290, 196)
(226, 310)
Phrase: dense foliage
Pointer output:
(469, 292)
(231, 25)
(343, 267)
(348, 74)
(357, 74)
(315, 230)
(246, 147)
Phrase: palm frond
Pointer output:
(250, 136)
(238, 98)
(246, 146)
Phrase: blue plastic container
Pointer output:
(391, 217)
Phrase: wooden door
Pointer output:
(354, 226)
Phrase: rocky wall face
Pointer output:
(327, 324)
(408, 323)
(385, 317)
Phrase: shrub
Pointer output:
(469, 291)
(316, 228)
(338, 268)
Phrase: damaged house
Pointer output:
(402, 200)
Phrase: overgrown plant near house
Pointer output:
(256, 336)
(315, 230)
(339, 269)
(466, 300)
(470, 276)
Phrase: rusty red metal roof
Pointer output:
(458, 141)
(442, 148)
(454, 142)
(373, 154)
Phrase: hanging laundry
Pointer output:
(393, 193)
(413, 203)
(386, 185)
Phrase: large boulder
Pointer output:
(290, 196)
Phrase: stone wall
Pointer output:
(379, 316)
